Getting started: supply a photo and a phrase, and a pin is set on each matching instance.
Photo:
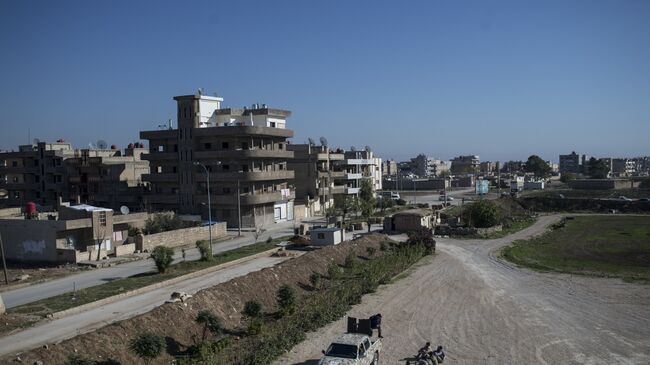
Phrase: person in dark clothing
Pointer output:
(439, 354)
(375, 322)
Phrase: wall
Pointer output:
(410, 222)
(602, 184)
(29, 240)
(126, 249)
(179, 237)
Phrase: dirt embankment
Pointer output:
(176, 322)
(558, 204)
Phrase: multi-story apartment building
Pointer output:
(623, 167)
(571, 163)
(359, 165)
(108, 178)
(425, 166)
(243, 150)
(488, 167)
(317, 178)
(469, 164)
(389, 168)
(51, 173)
(35, 173)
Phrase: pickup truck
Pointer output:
(352, 349)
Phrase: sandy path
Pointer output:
(485, 311)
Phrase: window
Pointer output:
(280, 146)
(225, 167)
(175, 148)
(102, 219)
(158, 169)
(36, 163)
(272, 124)
(37, 178)
(224, 145)
(174, 169)
(161, 148)
(244, 145)
(16, 194)
(15, 179)
(244, 168)
(15, 163)
(321, 236)
(207, 146)
(225, 190)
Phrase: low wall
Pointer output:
(179, 237)
(552, 204)
(603, 184)
(125, 249)
(466, 231)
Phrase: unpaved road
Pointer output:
(485, 311)
(70, 326)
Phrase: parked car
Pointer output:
(645, 200)
(352, 349)
(624, 198)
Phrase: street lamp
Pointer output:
(207, 177)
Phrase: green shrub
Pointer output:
(147, 345)
(483, 214)
(78, 360)
(162, 257)
(210, 323)
(333, 271)
(383, 246)
(567, 176)
(371, 251)
(204, 250)
(286, 299)
(314, 280)
(252, 309)
(423, 237)
(269, 240)
(162, 222)
(134, 231)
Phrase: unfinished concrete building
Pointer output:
(243, 150)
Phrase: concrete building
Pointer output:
(52, 173)
(425, 166)
(488, 168)
(410, 220)
(316, 178)
(80, 233)
(244, 150)
(359, 165)
(326, 236)
(623, 167)
(469, 164)
(389, 168)
(571, 163)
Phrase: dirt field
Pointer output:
(486, 311)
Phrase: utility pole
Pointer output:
(238, 209)
(4, 263)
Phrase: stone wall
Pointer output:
(179, 237)
(126, 249)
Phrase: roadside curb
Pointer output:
(148, 288)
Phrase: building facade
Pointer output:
(469, 164)
(244, 152)
(359, 165)
(425, 166)
(389, 168)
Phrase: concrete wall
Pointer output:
(30, 240)
(410, 222)
(407, 184)
(124, 249)
(603, 184)
(179, 237)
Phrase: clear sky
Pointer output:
(501, 79)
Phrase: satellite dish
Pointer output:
(311, 141)
(368, 149)
(3, 193)
(36, 141)
(352, 148)
(124, 210)
(102, 145)
(323, 141)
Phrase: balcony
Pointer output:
(171, 199)
(18, 170)
(158, 156)
(353, 176)
(161, 177)
(19, 186)
(331, 174)
(243, 131)
(351, 191)
(335, 190)
(247, 176)
(256, 199)
(239, 154)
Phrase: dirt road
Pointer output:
(485, 311)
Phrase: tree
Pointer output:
(204, 250)
(598, 168)
(367, 200)
(162, 257)
(346, 205)
(314, 280)
(147, 345)
(537, 166)
(210, 323)
(252, 309)
(423, 236)
(483, 214)
(286, 299)
(567, 176)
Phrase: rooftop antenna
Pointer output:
(311, 141)
(29, 134)
(102, 145)
(323, 141)
(352, 148)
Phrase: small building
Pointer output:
(533, 185)
(326, 236)
(410, 220)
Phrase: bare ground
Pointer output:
(486, 311)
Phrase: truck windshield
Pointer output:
(342, 351)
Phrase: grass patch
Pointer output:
(70, 300)
(608, 246)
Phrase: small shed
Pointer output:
(410, 220)
(326, 236)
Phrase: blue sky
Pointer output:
(502, 79)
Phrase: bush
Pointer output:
(269, 240)
(401, 202)
(163, 257)
(644, 184)
(371, 251)
(333, 271)
(423, 237)
(286, 299)
(567, 176)
(314, 280)
(134, 231)
(210, 323)
(483, 214)
(252, 309)
(255, 326)
(78, 360)
(350, 260)
(204, 250)
(147, 345)
(383, 246)
(162, 223)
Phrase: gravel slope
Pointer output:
(485, 311)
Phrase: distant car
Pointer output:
(450, 198)
(624, 198)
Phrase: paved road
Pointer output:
(67, 327)
(486, 311)
(32, 293)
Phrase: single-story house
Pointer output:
(326, 236)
